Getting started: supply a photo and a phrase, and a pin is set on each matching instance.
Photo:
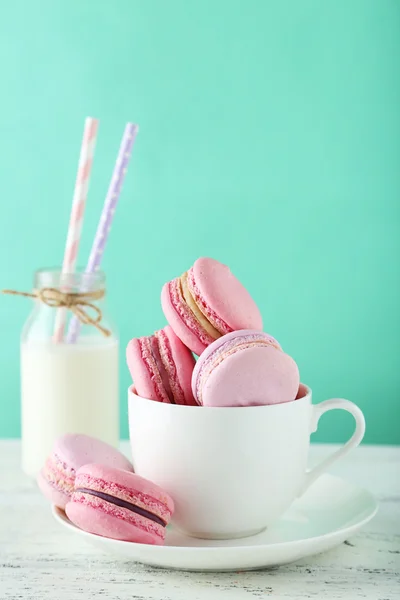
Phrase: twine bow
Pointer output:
(77, 303)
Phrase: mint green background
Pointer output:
(269, 139)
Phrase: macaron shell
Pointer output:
(185, 334)
(225, 295)
(252, 377)
(184, 364)
(96, 521)
(139, 372)
(77, 449)
(213, 349)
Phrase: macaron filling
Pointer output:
(230, 347)
(155, 349)
(186, 313)
(123, 504)
(196, 310)
(153, 367)
(168, 368)
(213, 318)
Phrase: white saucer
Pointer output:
(328, 513)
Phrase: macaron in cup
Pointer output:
(206, 302)
(161, 367)
(245, 368)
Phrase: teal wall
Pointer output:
(269, 139)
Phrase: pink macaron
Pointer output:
(245, 368)
(161, 367)
(207, 302)
(70, 452)
(120, 505)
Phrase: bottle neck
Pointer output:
(74, 283)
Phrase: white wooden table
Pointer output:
(40, 561)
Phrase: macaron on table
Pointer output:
(211, 368)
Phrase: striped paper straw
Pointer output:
(107, 213)
(77, 211)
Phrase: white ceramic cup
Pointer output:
(231, 471)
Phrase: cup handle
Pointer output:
(353, 442)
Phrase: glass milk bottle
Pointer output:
(66, 386)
